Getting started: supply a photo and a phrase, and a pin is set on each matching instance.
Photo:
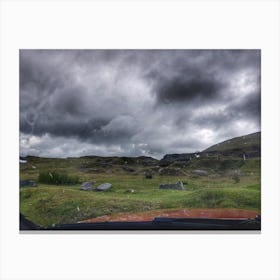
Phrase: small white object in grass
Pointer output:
(33, 166)
(78, 208)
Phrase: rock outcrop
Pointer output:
(87, 186)
(177, 186)
(104, 187)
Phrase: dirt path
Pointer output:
(181, 213)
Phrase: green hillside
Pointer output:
(250, 142)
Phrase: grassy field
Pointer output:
(55, 204)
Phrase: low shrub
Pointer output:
(55, 178)
(148, 175)
(236, 178)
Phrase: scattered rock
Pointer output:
(104, 187)
(87, 186)
(179, 164)
(91, 170)
(27, 183)
(164, 163)
(148, 174)
(177, 186)
(200, 172)
(170, 171)
(130, 191)
(155, 168)
(106, 164)
(128, 169)
(170, 158)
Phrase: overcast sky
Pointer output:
(135, 102)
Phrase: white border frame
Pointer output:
(146, 24)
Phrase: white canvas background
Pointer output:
(145, 24)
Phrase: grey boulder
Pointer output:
(27, 183)
(200, 172)
(177, 186)
(104, 187)
(128, 169)
(87, 186)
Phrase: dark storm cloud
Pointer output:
(199, 89)
(247, 108)
(135, 102)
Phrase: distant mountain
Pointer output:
(226, 156)
(249, 144)
(142, 160)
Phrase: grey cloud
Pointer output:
(132, 102)
(198, 89)
(244, 108)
